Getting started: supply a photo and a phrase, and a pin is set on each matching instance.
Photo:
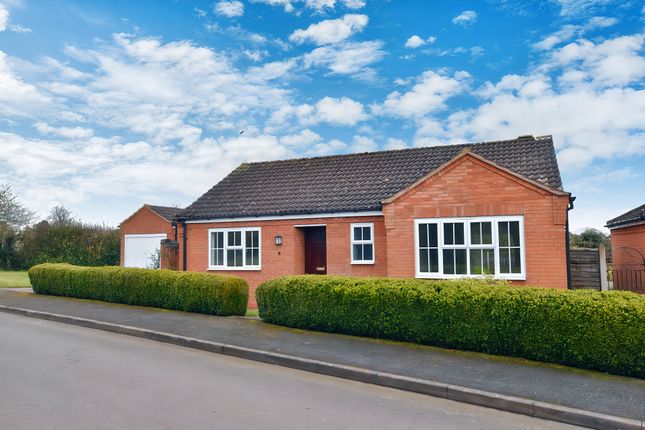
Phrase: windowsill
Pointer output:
(517, 277)
(363, 262)
(234, 269)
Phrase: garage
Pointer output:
(142, 250)
(142, 232)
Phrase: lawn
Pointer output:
(14, 279)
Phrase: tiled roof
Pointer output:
(165, 211)
(632, 216)
(357, 182)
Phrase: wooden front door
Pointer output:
(316, 250)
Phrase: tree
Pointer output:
(61, 216)
(591, 238)
(12, 212)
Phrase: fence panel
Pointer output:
(629, 280)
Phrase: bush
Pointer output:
(185, 291)
(589, 329)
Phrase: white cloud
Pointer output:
(347, 58)
(363, 144)
(581, 95)
(286, 4)
(17, 97)
(342, 111)
(320, 4)
(273, 70)
(429, 94)
(65, 132)
(465, 18)
(569, 31)
(579, 7)
(416, 41)
(4, 17)
(303, 140)
(229, 8)
(393, 143)
(331, 30)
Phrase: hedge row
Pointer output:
(185, 291)
(595, 330)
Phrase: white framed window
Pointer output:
(470, 247)
(234, 248)
(362, 243)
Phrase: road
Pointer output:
(57, 376)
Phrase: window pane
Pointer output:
(488, 262)
(358, 233)
(475, 233)
(459, 233)
(434, 260)
(238, 256)
(487, 234)
(423, 235)
(234, 238)
(230, 257)
(460, 258)
(448, 261)
(252, 257)
(219, 257)
(248, 239)
(357, 252)
(367, 233)
(475, 261)
(434, 237)
(423, 261)
(516, 265)
(504, 260)
(368, 253)
(503, 233)
(448, 237)
(514, 233)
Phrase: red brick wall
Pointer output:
(628, 237)
(288, 258)
(144, 221)
(470, 187)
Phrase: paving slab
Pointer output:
(559, 385)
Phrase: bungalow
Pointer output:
(493, 208)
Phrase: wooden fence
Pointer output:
(588, 268)
(629, 280)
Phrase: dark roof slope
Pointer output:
(357, 182)
(632, 216)
(165, 211)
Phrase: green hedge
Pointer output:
(595, 330)
(185, 291)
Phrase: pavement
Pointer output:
(538, 382)
(61, 376)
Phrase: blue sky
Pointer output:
(107, 105)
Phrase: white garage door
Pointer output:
(141, 249)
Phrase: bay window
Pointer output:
(481, 246)
(234, 248)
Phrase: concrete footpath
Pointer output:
(559, 393)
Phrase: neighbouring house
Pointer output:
(628, 250)
(142, 232)
(494, 208)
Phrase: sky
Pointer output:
(108, 105)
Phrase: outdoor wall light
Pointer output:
(278, 240)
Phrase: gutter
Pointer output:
(568, 245)
(183, 223)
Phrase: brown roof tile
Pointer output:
(356, 182)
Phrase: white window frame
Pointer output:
(468, 246)
(353, 242)
(243, 231)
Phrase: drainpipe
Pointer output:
(568, 248)
(183, 223)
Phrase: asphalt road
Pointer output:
(56, 376)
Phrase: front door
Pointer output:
(316, 250)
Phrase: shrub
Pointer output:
(589, 329)
(185, 291)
